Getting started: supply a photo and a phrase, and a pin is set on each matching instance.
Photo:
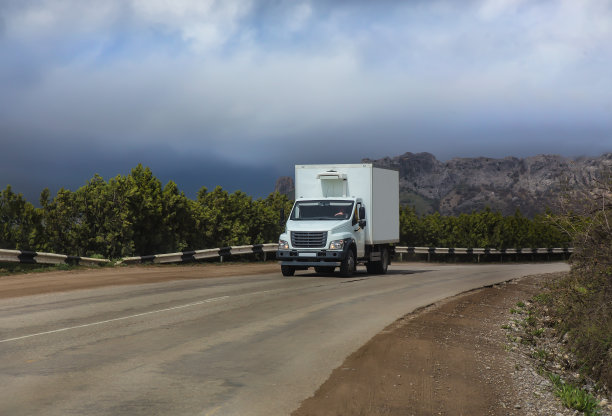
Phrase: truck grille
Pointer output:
(308, 239)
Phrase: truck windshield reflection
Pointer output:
(322, 210)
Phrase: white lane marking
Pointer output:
(259, 293)
(116, 319)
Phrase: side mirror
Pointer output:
(281, 220)
(362, 218)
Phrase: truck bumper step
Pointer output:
(310, 263)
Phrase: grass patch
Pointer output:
(531, 319)
(540, 354)
(544, 299)
(573, 397)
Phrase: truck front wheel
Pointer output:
(347, 267)
(287, 270)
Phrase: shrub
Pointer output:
(582, 301)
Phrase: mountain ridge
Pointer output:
(463, 185)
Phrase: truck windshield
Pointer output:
(322, 210)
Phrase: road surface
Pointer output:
(246, 345)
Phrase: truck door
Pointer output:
(358, 232)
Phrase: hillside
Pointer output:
(463, 185)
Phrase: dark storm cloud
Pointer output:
(30, 167)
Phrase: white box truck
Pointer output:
(343, 215)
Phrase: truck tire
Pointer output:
(287, 270)
(379, 267)
(324, 269)
(347, 267)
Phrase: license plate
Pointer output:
(308, 254)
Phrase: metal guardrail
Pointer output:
(34, 257)
(478, 252)
(439, 250)
(202, 254)
(21, 256)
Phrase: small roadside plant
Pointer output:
(573, 397)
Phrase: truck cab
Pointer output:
(328, 228)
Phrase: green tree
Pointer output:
(179, 223)
(266, 224)
(410, 227)
(63, 223)
(18, 221)
(225, 219)
(514, 231)
(107, 216)
(213, 215)
(144, 200)
(432, 230)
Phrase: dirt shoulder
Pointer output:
(60, 281)
(447, 359)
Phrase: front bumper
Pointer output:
(309, 258)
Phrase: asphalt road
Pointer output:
(252, 345)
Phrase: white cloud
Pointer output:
(202, 24)
(405, 72)
(493, 9)
(36, 20)
(206, 24)
(299, 16)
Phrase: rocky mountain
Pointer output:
(463, 185)
(285, 186)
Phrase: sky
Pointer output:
(235, 93)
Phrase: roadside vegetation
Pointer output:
(482, 229)
(582, 302)
(567, 327)
(534, 332)
(135, 215)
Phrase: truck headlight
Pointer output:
(283, 245)
(336, 245)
